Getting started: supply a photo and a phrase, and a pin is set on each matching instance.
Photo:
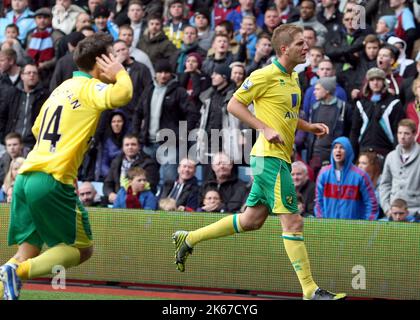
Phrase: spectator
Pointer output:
(11, 41)
(125, 33)
(221, 9)
(353, 78)
(413, 108)
(343, 47)
(288, 13)
(387, 57)
(405, 28)
(131, 157)
(226, 28)
(155, 44)
(21, 16)
(214, 116)
(399, 212)
(41, 44)
(247, 36)
(402, 62)
(308, 19)
(10, 71)
(333, 112)
(401, 173)
(174, 27)
(411, 74)
(237, 73)
(163, 105)
(136, 15)
(222, 55)
(329, 15)
(167, 204)
(102, 23)
(304, 187)
(10, 178)
(245, 8)
(343, 191)
(308, 77)
(192, 79)
(205, 34)
(190, 45)
(224, 179)
(376, 116)
(139, 74)
(119, 13)
(65, 66)
(87, 195)
(91, 5)
(111, 143)
(385, 27)
(325, 69)
(22, 106)
(138, 194)
(14, 149)
(212, 202)
(65, 15)
(184, 190)
(271, 21)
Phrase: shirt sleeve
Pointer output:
(408, 20)
(103, 96)
(252, 88)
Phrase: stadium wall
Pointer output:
(134, 246)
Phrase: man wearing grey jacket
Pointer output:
(401, 173)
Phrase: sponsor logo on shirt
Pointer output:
(247, 84)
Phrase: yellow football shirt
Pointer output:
(68, 120)
(276, 96)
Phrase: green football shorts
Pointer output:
(273, 186)
(45, 210)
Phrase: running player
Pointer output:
(45, 208)
(276, 95)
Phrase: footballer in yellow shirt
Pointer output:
(45, 208)
(275, 93)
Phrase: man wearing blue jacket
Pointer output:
(343, 191)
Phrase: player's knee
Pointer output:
(85, 254)
(292, 223)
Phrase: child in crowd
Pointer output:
(12, 42)
(138, 194)
(9, 180)
(167, 204)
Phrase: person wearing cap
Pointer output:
(65, 66)
(164, 104)
(376, 116)
(192, 79)
(42, 41)
(335, 113)
(65, 15)
(21, 16)
(156, 44)
(189, 45)
(101, 23)
(385, 27)
(245, 8)
(202, 22)
(174, 27)
(214, 114)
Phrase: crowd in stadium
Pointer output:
(186, 58)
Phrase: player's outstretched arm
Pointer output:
(241, 111)
(113, 71)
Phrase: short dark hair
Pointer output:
(228, 26)
(311, 1)
(308, 28)
(29, 64)
(12, 25)
(399, 203)
(131, 136)
(154, 16)
(91, 47)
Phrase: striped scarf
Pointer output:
(41, 48)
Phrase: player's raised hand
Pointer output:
(319, 129)
(272, 136)
(109, 66)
